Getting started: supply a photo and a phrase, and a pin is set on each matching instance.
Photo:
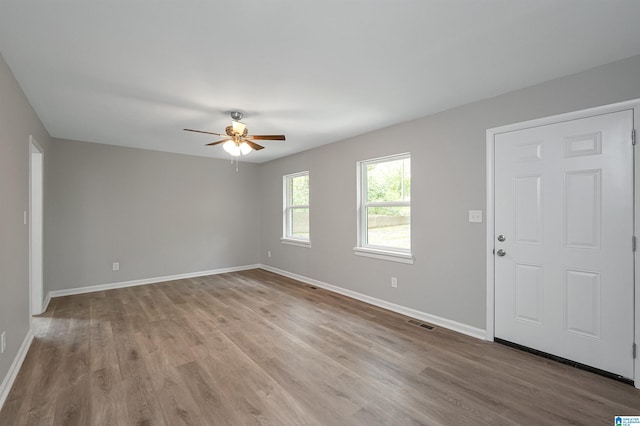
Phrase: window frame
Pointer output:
(363, 248)
(287, 237)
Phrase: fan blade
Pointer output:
(266, 137)
(254, 145)
(216, 142)
(239, 128)
(200, 131)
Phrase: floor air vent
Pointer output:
(421, 324)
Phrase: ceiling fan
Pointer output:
(236, 140)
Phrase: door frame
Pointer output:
(490, 244)
(36, 226)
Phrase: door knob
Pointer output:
(501, 238)
(501, 252)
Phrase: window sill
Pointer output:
(391, 256)
(293, 242)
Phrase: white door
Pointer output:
(564, 272)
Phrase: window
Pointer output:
(384, 208)
(296, 209)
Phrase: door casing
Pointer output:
(490, 244)
(36, 226)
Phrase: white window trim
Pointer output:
(392, 256)
(368, 250)
(295, 242)
(286, 188)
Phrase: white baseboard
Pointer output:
(45, 304)
(7, 383)
(432, 319)
(111, 286)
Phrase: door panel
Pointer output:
(582, 298)
(528, 293)
(528, 209)
(583, 204)
(564, 203)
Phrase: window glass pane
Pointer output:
(299, 190)
(389, 181)
(389, 227)
(299, 221)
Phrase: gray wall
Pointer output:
(448, 179)
(156, 213)
(17, 122)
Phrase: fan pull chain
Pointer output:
(236, 159)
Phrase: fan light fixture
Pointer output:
(237, 149)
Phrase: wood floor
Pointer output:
(256, 348)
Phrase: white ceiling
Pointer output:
(136, 72)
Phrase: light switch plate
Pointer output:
(475, 216)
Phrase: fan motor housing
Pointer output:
(236, 115)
